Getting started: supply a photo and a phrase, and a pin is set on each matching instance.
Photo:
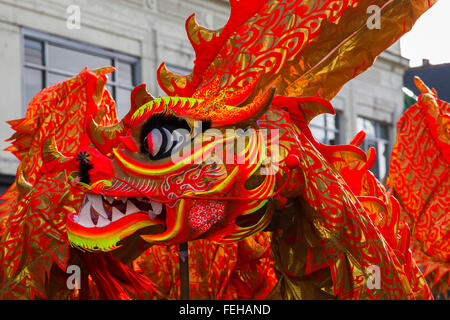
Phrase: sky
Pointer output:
(430, 36)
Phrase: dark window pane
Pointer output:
(34, 52)
(34, 82)
(125, 72)
(55, 78)
(383, 131)
(73, 61)
(122, 101)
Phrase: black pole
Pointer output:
(184, 271)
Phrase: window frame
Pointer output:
(337, 130)
(377, 139)
(49, 39)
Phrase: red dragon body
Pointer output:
(282, 216)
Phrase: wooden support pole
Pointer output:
(184, 271)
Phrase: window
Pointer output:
(49, 59)
(326, 129)
(377, 136)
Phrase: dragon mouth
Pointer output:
(99, 211)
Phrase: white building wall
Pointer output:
(153, 30)
(10, 89)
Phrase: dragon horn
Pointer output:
(198, 35)
(421, 85)
(428, 97)
(175, 84)
(139, 97)
(105, 137)
(51, 152)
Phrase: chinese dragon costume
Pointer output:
(419, 179)
(301, 220)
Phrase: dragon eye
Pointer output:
(162, 134)
(159, 140)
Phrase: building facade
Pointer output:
(45, 41)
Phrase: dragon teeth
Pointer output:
(110, 200)
(156, 207)
(102, 222)
(85, 200)
(93, 203)
(131, 208)
(116, 214)
(97, 203)
(84, 217)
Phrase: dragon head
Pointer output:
(177, 169)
